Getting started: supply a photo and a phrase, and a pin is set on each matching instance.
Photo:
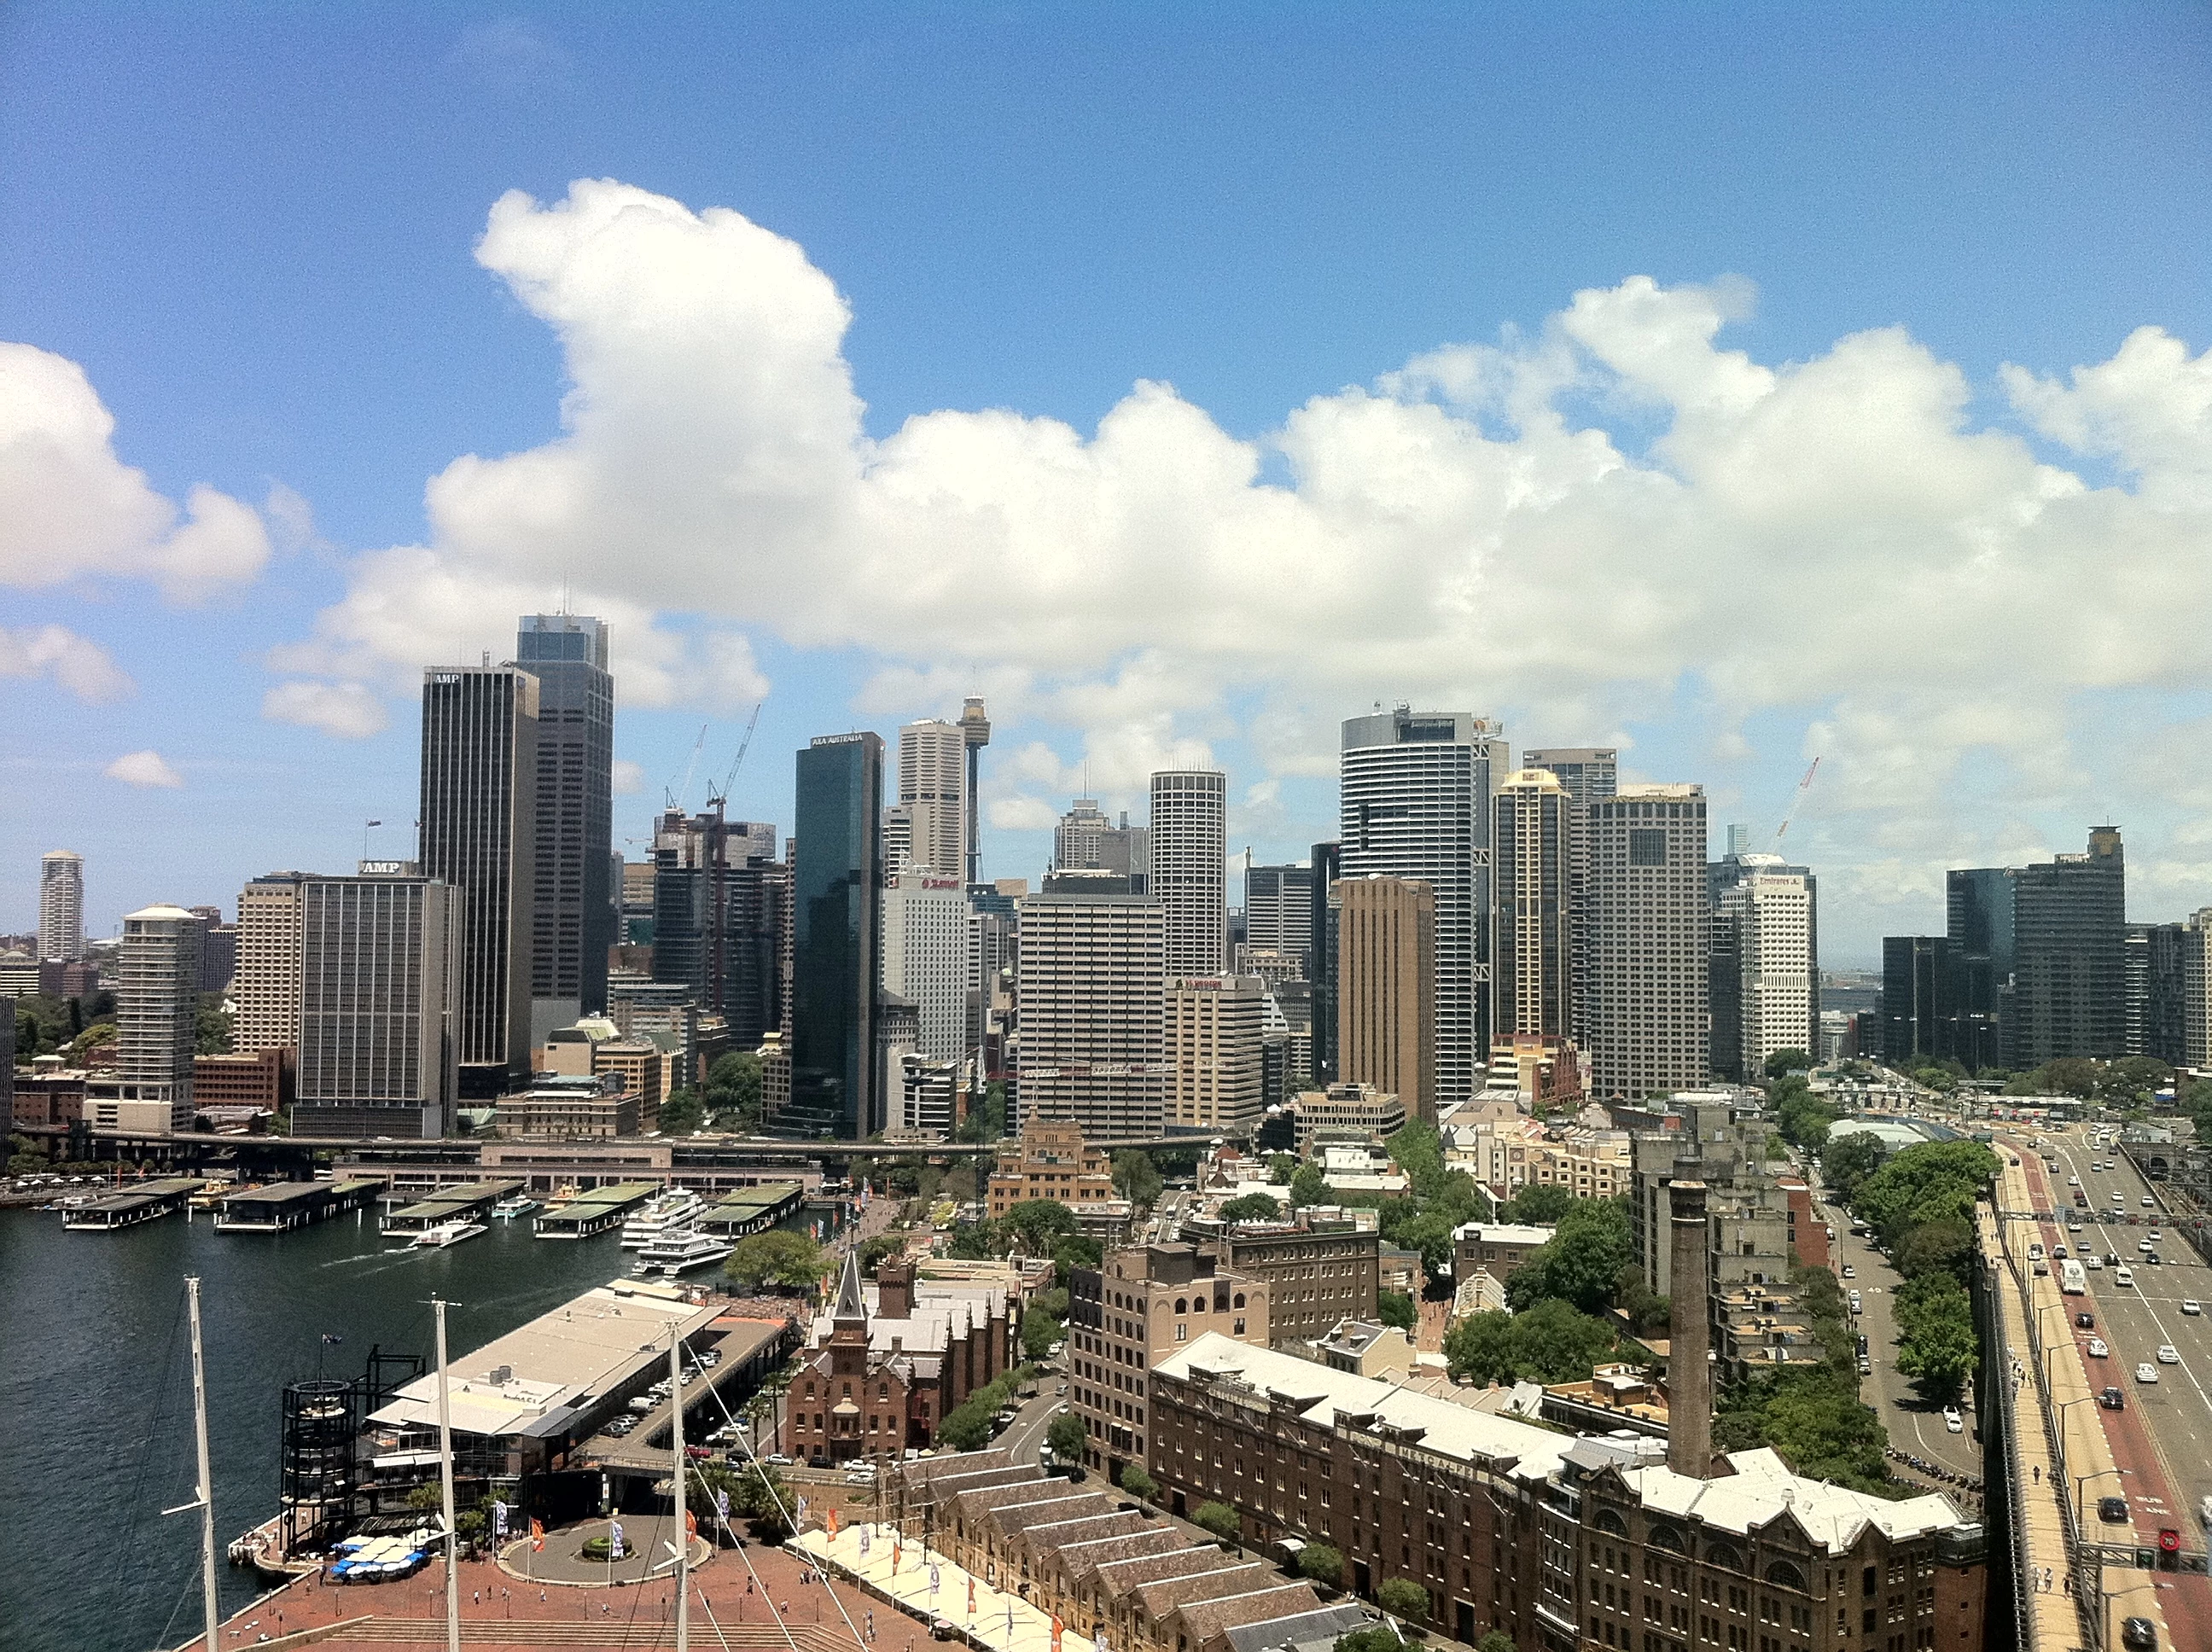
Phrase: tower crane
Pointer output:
(1796, 802)
(675, 798)
(717, 799)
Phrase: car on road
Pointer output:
(1865, 1366)
(2087, 1321)
(2139, 1635)
(2149, 1203)
(2113, 1400)
(2073, 1181)
(2190, 1305)
(2096, 1348)
(1849, 1272)
(2146, 1373)
(776, 1460)
(2114, 1509)
(2169, 1354)
(2123, 1276)
(2144, 1245)
(2153, 1260)
(1953, 1421)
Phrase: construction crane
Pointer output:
(1796, 802)
(675, 798)
(716, 799)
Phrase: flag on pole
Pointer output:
(691, 1524)
(831, 1522)
(722, 1504)
(498, 1518)
(331, 1339)
(614, 1541)
(537, 1536)
(971, 1597)
(897, 1545)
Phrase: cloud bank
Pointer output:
(1612, 518)
(144, 769)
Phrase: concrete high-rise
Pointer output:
(1090, 980)
(157, 1001)
(975, 731)
(1532, 849)
(1087, 840)
(1386, 990)
(2156, 982)
(1645, 1018)
(376, 1008)
(837, 879)
(574, 903)
(1279, 911)
(932, 793)
(2196, 989)
(1416, 800)
(1189, 875)
(1770, 912)
(265, 993)
(1213, 1032)
(928, 934)
(1586, 774)
(717, 914)
(479, 837)
(61, 905)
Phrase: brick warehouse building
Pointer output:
(892, 1359)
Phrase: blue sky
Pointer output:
(1691, 515)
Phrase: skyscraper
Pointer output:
(1091, 978)
(61, 905)
(932, 791)
(1279, 911)
(2069, 988)
(717, 917)
(1923, 978)
(1213, 1031)
(157, 1000)
(1087, 840)
(1982, 907)
(1415, 801)
(1769, 909)
(1586, 774)
(375, 1007)
(1190, 868)
(265, 994)
(1386, 990)
(838, 882)
(1322, 958)
(1645, 1018)
(2196, 989)
(928, 934)
(1532, 848)
(573, 902)
(2154, 971)
(479, 837)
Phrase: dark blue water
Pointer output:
(95, 1392)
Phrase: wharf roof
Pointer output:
(1762, 1490)
(1325, 1396)
(553, 1365)
(288, 1192)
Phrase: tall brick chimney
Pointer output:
(1689, 1378)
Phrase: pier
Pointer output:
(284, 1206)
(147, 1201)
(751, 1210)
(592, 1213)
(470, 1202)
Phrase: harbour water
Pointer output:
(96, 1391)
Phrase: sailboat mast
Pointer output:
(446, 1487)
(214, 1610)
(683, 1493)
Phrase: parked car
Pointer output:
(776, 1460)
(1849, 1272)
(2190, 1305)
(1953, 1421)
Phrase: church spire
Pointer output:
(850, 1303)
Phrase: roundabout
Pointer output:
(649, 1552)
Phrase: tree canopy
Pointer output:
(1251, 1207)
(1540, 1203)
(1307, 1187)
(1789, 1060)
(1582, 1262)
(1849, 1159)
(776, 1257)
(1548, 1343)
(1396, 1308)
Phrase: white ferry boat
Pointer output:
(444, 1235)
(517, 1205)
(678, 1209)
(681, 1251)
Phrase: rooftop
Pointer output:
(1762, 1488)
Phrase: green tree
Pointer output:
(973, 1242)
(883, 1245)
(2069, 1075)
(1582, 1262)
(1789, 1060)
(1401, 1597)
(1038, 1224)
(1540, 1203)
(1323, 1564)
(967, 1427)
(1067, 1438)
(1138, 1484)
(1281, 1167)
(1076, 1250)
(1251, 1207)
(1136, 1178)
(1376, 1637)
(986, 1121)
(776, 1257)
(1943, 1246)
(1550, 1342)
(1219, 1520)
(1039, 1333)
(1496, 1640)
(681, 1112)
(211, 1027)
(1942, 1080)
(1396, 1308)
(733, 1090)
(1921, 1184)
(1849, 1159)
(1307, 1187)
(760, 1499)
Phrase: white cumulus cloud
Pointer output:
(1492, 527)
(628, 778)
(70, 508)
(347, 710)
(77, 663)
(143, 768)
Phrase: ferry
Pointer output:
(681, 1251)
(443, 1236)
(519, 1205)
(673, 1211)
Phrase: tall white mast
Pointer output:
(446, 1487)
(213, 1611)
(683, 1489)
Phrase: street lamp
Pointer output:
(2081, 1485)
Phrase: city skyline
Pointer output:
(1774, 388)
